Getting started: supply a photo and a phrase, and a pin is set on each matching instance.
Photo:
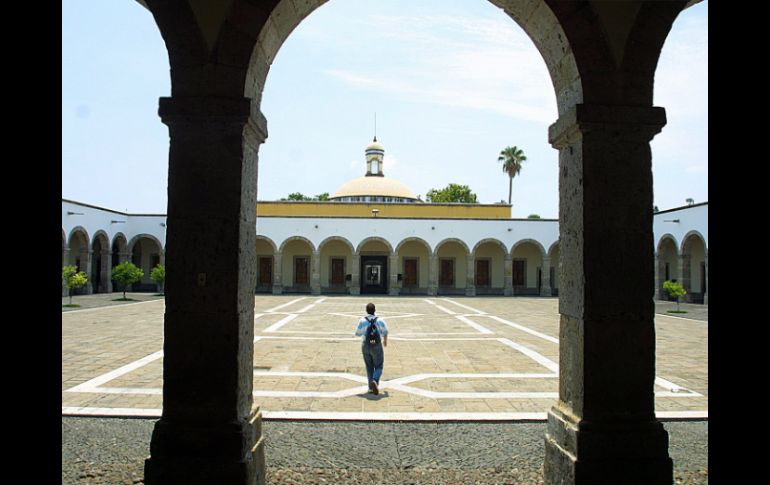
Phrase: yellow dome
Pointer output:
(373, 186)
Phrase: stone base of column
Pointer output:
(545, 291)
(705, 298)
(277, 289)
(470, 291)
(432, 291)
(507, 291)
(393, 291)
(621, 453)
(199, 455)
(355, 290)
(315, 290)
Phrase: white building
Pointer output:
(374, 236)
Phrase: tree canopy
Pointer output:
(126, 273)
(300, 196)
(452, 193)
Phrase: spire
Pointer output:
(375, 126)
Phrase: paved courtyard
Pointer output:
(448, 358)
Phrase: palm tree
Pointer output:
(511, 158)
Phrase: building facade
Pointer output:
(345, 248)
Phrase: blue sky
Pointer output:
(451, 82)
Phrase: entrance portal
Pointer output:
(374, 274)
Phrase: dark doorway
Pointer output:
(265, 278)
(374, 274)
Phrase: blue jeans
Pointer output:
(374, 358)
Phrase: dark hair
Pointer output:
(370, 308)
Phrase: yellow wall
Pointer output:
(352, 209)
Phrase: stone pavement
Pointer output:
(448, 358)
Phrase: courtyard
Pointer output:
(448, 358)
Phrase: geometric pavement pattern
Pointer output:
(447, 359)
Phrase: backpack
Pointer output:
(372, 333)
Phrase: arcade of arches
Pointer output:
(601, 57)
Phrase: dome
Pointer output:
(375, 145)
(374, 187)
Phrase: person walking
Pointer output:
(374, 335)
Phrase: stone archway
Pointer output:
(666, 264)
(530, 269)
(452, 268)
(413, 257)
(146, 252)
(268, 274)
(491, 267)
(80, 256)
(336, 265)
(299, 266)
(101, 271)
(554, 272)
(693, 266)
(118, 255)
(601, 57)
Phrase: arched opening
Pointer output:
(336, 265)
(100, 269)
(413, 266)
(601, 57)
(266, 254)
(453, 274)
(489, 267)
(119, 254)
(527, 268)
(146, 253)
(667, 265)
(554, 271)
(374, 265)
(694, 268)
(297, 263)
(80, 257)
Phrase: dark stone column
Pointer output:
(210, 430)
(603, 428)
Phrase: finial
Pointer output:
(375, 126)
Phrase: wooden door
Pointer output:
(338, 272)
(446, 274)
(300, 271)
(410, 272)
(482, 273)
(519, 272)
(265, 271)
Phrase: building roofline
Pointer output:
(406, 218)
(682, 208)
(109, 210)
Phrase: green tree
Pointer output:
(676, 290)
(296, 196)
(452, 193)
(511, 158)
(72, 279)
(533, 216)
(322, 197)
(126, 273)
(158, 275)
